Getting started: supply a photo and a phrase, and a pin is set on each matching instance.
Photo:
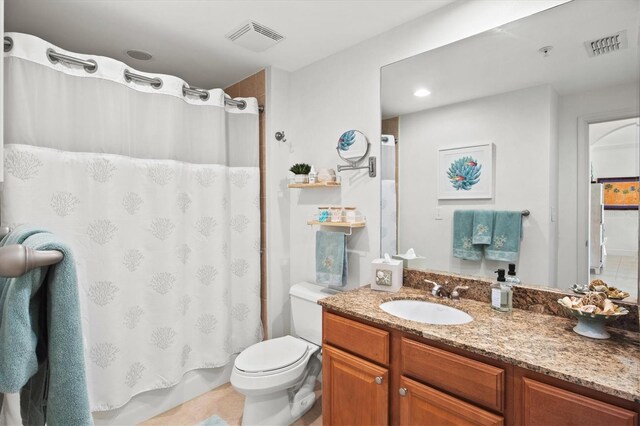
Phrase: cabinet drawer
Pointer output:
(355, 337)
(546, 404)
(464, 377)
(422, 405)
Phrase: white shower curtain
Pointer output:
(158, 195)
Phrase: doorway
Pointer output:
(614, 154)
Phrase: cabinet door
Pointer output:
(424, 406)
(544, 404)
(354, 391)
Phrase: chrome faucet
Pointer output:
(438, 290)
(455, 294)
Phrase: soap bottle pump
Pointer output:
(512, 278)
(501, 293)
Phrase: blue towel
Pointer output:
(331, 258)
(463, 247)
(482, 226)
(41, 352)
(507, 232)
(213, 421)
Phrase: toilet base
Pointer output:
(283, 407)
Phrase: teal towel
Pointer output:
(482, 226)
(41, 352)
(213, 421)
(463, 247)
(507, 232)
(331, 258)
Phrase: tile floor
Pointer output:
(621, 272)
(226, 403)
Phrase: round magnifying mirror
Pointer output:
(353, 146)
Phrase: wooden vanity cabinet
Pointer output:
(422, 405)
(543, 400)
(355, 373)
(355, 391)
(375, 375)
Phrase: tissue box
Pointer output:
(386, 275)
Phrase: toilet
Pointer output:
(278, 376)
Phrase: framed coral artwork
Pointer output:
(465, 172)
(621, 193)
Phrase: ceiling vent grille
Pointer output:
(608, 44)
(255, 36)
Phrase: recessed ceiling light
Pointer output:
(139, 55)
(421, 93)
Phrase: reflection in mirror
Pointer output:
(388, 191)
(353, 146)
(550, 101)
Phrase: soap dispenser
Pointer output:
(501, 293)
(313, 175)
(512, 278)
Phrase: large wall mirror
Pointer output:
(544, 113)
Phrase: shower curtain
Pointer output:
(158, 195)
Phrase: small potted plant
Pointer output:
(301, 170)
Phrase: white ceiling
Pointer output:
(507, 58)
(187, 38)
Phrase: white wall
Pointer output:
(278, 199)
(571, 108)
(519, 124)
(342, 92)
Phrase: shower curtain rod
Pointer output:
(91, 66)
(17, 260)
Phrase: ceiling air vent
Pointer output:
(255, 36)
(608, 44)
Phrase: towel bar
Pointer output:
(17, 260)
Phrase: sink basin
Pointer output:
(426, 312)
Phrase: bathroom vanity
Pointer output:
(520, 368)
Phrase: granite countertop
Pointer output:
(538, 342)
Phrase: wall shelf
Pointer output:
(315, 185)
(338, 224)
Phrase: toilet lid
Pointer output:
(271, 354)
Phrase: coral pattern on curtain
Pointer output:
(165, 225)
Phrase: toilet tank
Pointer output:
(306, 314)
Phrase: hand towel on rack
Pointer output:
(331, 258)
(482, 226)
(41, 346)
(463, 247)
(507, 232)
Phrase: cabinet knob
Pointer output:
(402, 391)
(379, 380)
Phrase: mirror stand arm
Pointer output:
(371, 167)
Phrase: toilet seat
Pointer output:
(272, 355)
(266, 377)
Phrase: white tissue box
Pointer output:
(386, 275)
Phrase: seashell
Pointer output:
(609, 307)
(594, 298)
(588, 309)
(566, 301)
(597, 283)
